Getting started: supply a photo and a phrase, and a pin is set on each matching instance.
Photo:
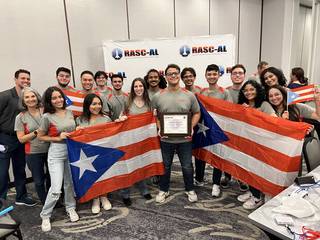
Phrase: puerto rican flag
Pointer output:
(263, 151)
(74, 101)
(301, 94)
(107, 157)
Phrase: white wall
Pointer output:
(34, 34)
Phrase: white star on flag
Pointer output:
(202, 128)
(84, 163)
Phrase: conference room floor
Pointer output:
(209, 218)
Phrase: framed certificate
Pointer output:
(175, 124)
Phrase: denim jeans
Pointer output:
(60, 173)
(16, 153)
(37, 163)
(200, 168)
(142, 186)
(184, 151)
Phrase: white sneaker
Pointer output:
(73, 215)
(215, 190)
(192, 196)
(253, 203)
(95, 206)
(46, 225)
(105, 203)
(244, 197)
(161, 197)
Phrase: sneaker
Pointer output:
(46, 225)
(244, 197)
(215, 190)
(225, 183)
(192, 196)
(147, 196)
(161, 197)
(105, 203)
(198, 183)
(27, 201)
(127, 201)
(243, 187)
(253, 203)
(95, 209)
(73, 215)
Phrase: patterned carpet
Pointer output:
(209, 218)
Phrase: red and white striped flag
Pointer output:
(302, 94)
(74, 101)
(263, 151)
(107, 157)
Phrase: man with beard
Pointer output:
(63, 76)
(154, 82)
(15, 150)
(118, 99)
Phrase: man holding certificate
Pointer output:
(178, 112)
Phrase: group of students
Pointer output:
(44, 123)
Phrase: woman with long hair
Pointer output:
(252, 95)
(272, 76)
(277, 97)
(138, 103)
(26, 126)
(55, 126)
(93, 114)
(297, 78)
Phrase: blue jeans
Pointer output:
(16, 153)
(37, 162)
(142, 186)
(60, 173)
(184, 151)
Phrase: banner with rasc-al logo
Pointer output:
(134, 58)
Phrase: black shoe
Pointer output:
(225, 183)
(147, 196)
(243, 187)
(27, 201)
(127, 201)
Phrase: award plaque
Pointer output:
(175, 124)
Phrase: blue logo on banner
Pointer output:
(185, 51)
(221, 70)
(117, 53)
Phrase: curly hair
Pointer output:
(260, 97)
(162, 83)
(277, 72)
(294, 113)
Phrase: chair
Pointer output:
(9, 226)
(311, 152)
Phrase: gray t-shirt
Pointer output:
(195, 89)
(180, 101)
(305, 110)
(134, 109)
(219, 93)
(53, 125)
(27, 123)
(234, 94)
(266, 108)
(85, 123)
(117, 104)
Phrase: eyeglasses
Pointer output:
(173, 74)
(237, 73)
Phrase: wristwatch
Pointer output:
(35, 132)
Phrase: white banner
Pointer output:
(134, 58)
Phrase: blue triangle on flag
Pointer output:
(292, 96)
(88, 163)
(68, 101)
(207, 132)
